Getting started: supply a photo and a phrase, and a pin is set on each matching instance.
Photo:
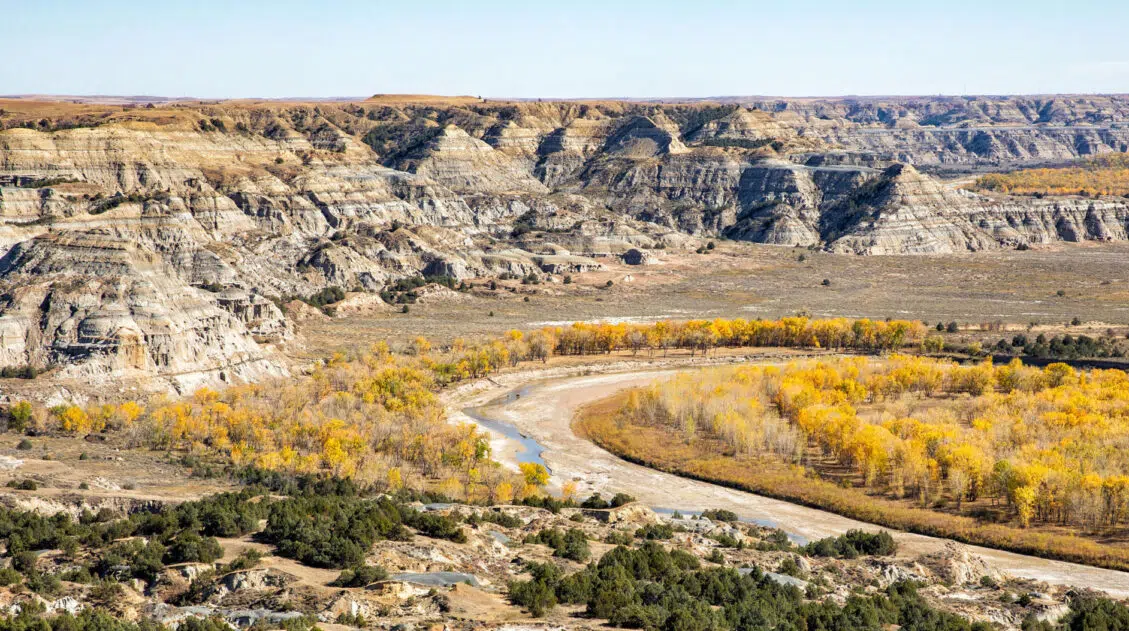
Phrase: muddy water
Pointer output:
(527, 449)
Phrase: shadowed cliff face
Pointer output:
(148, 240)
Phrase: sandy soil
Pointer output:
(549, 402)
(115, 476)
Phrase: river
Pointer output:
(531, 420)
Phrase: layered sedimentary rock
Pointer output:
(103, 307)
(158, 240)
(961, 131)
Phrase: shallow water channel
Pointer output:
(530, 450)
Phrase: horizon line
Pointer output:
(152, 98)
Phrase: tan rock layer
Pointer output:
(152, 240)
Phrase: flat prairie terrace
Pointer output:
(738, 280)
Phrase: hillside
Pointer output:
(162, 239)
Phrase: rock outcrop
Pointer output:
(159, 240)
(102, 307)
(635, 256)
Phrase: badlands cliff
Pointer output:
(143, 240)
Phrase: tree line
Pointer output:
(1099, 175)
(374, 415)
(1048, 445)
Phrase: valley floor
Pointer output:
(757, 281)
(546, 410)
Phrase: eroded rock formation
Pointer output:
(159, 240)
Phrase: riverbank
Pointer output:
(480, 402)
(701, 460)
(554, 395)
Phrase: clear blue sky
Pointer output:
(547, 48)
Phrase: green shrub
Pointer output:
(435, 526)
(653, 588)
(131, 559)
(19, 415)
(852, 544)
(246, 560)
(335, 531)
(42, 583)
(594, 501)
(551, 504)
(9, 576)
(332, 532)
(325, 297)
(740, 143)
(360, 576)
(720, 514)
(80, 574)
(175, 534)
(727, 541)
(538, 595)
(571, 544)
(775, 540)
(20, 372)
(495, 516)
(619, 499)
(655, 531)
(790, 567)
(106, 592)
(190, 547)
(619, 538)
(352, 620)
(1089, 612)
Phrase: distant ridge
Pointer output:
(115, 99)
